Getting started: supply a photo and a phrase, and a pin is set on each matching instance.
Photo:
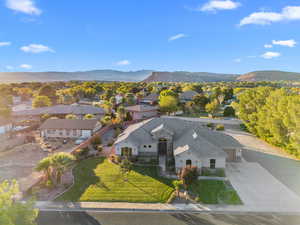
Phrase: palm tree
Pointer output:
(45, 166)
(60, 163)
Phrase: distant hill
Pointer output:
(100, 75)
(269, 76)
(144, 75)
(183, 76)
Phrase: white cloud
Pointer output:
(268, 46)
(24, 6)
(124, 62)
(36, 48)
(270, 55)
(238, 60)
(5, 43)
(289, 43)
(215, 5)
(177, 36)
(265, 18)
(26, 66)
(9, 67)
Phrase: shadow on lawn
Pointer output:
(152, 171)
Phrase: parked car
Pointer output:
(80, 140)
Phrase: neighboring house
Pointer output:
(150, 99)
(25, 105)
(59, 110)
(187, 96)
(69, 128)
(174, 140)
(141, 111)
(5, 125)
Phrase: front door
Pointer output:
(162, 146)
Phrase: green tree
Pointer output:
(14, 212)
(45, 166)
(41, 101)
(168, 104)
(60, 162)
(212, 108)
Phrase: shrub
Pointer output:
(210, 125)
(229, 111)
(220, 127)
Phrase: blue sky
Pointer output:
(230, 36)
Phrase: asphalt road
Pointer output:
(82, 218)
(284, 169)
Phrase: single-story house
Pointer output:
(69, 128)
(59, 110)
(187, 96)
(150, 99)
(181, 142)
(141, 111)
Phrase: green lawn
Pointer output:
(215, 192)
(99, 180)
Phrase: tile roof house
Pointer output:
(60, 110)
(69, 128)
(183, 142)
(187, 96)
(141, 111)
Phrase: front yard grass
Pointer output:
(98, 180)
(215, 192)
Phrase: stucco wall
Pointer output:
(180, 161)
(119, 146)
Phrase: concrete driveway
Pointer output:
(259, 190)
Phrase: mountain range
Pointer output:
(146, 76)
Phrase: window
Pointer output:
(149, 146)
(212, 163)
(67, 132)
(74, 132)
(126, 151)
(188, 162)
(60, 132)
(145, 146)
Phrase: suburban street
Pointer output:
(95, 218)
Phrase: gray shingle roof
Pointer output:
(184, 131)
(187, 95)
(69, 124)
(141, 108)
(151, 97)
(61, 109)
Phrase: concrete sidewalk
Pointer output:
(158, 207)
